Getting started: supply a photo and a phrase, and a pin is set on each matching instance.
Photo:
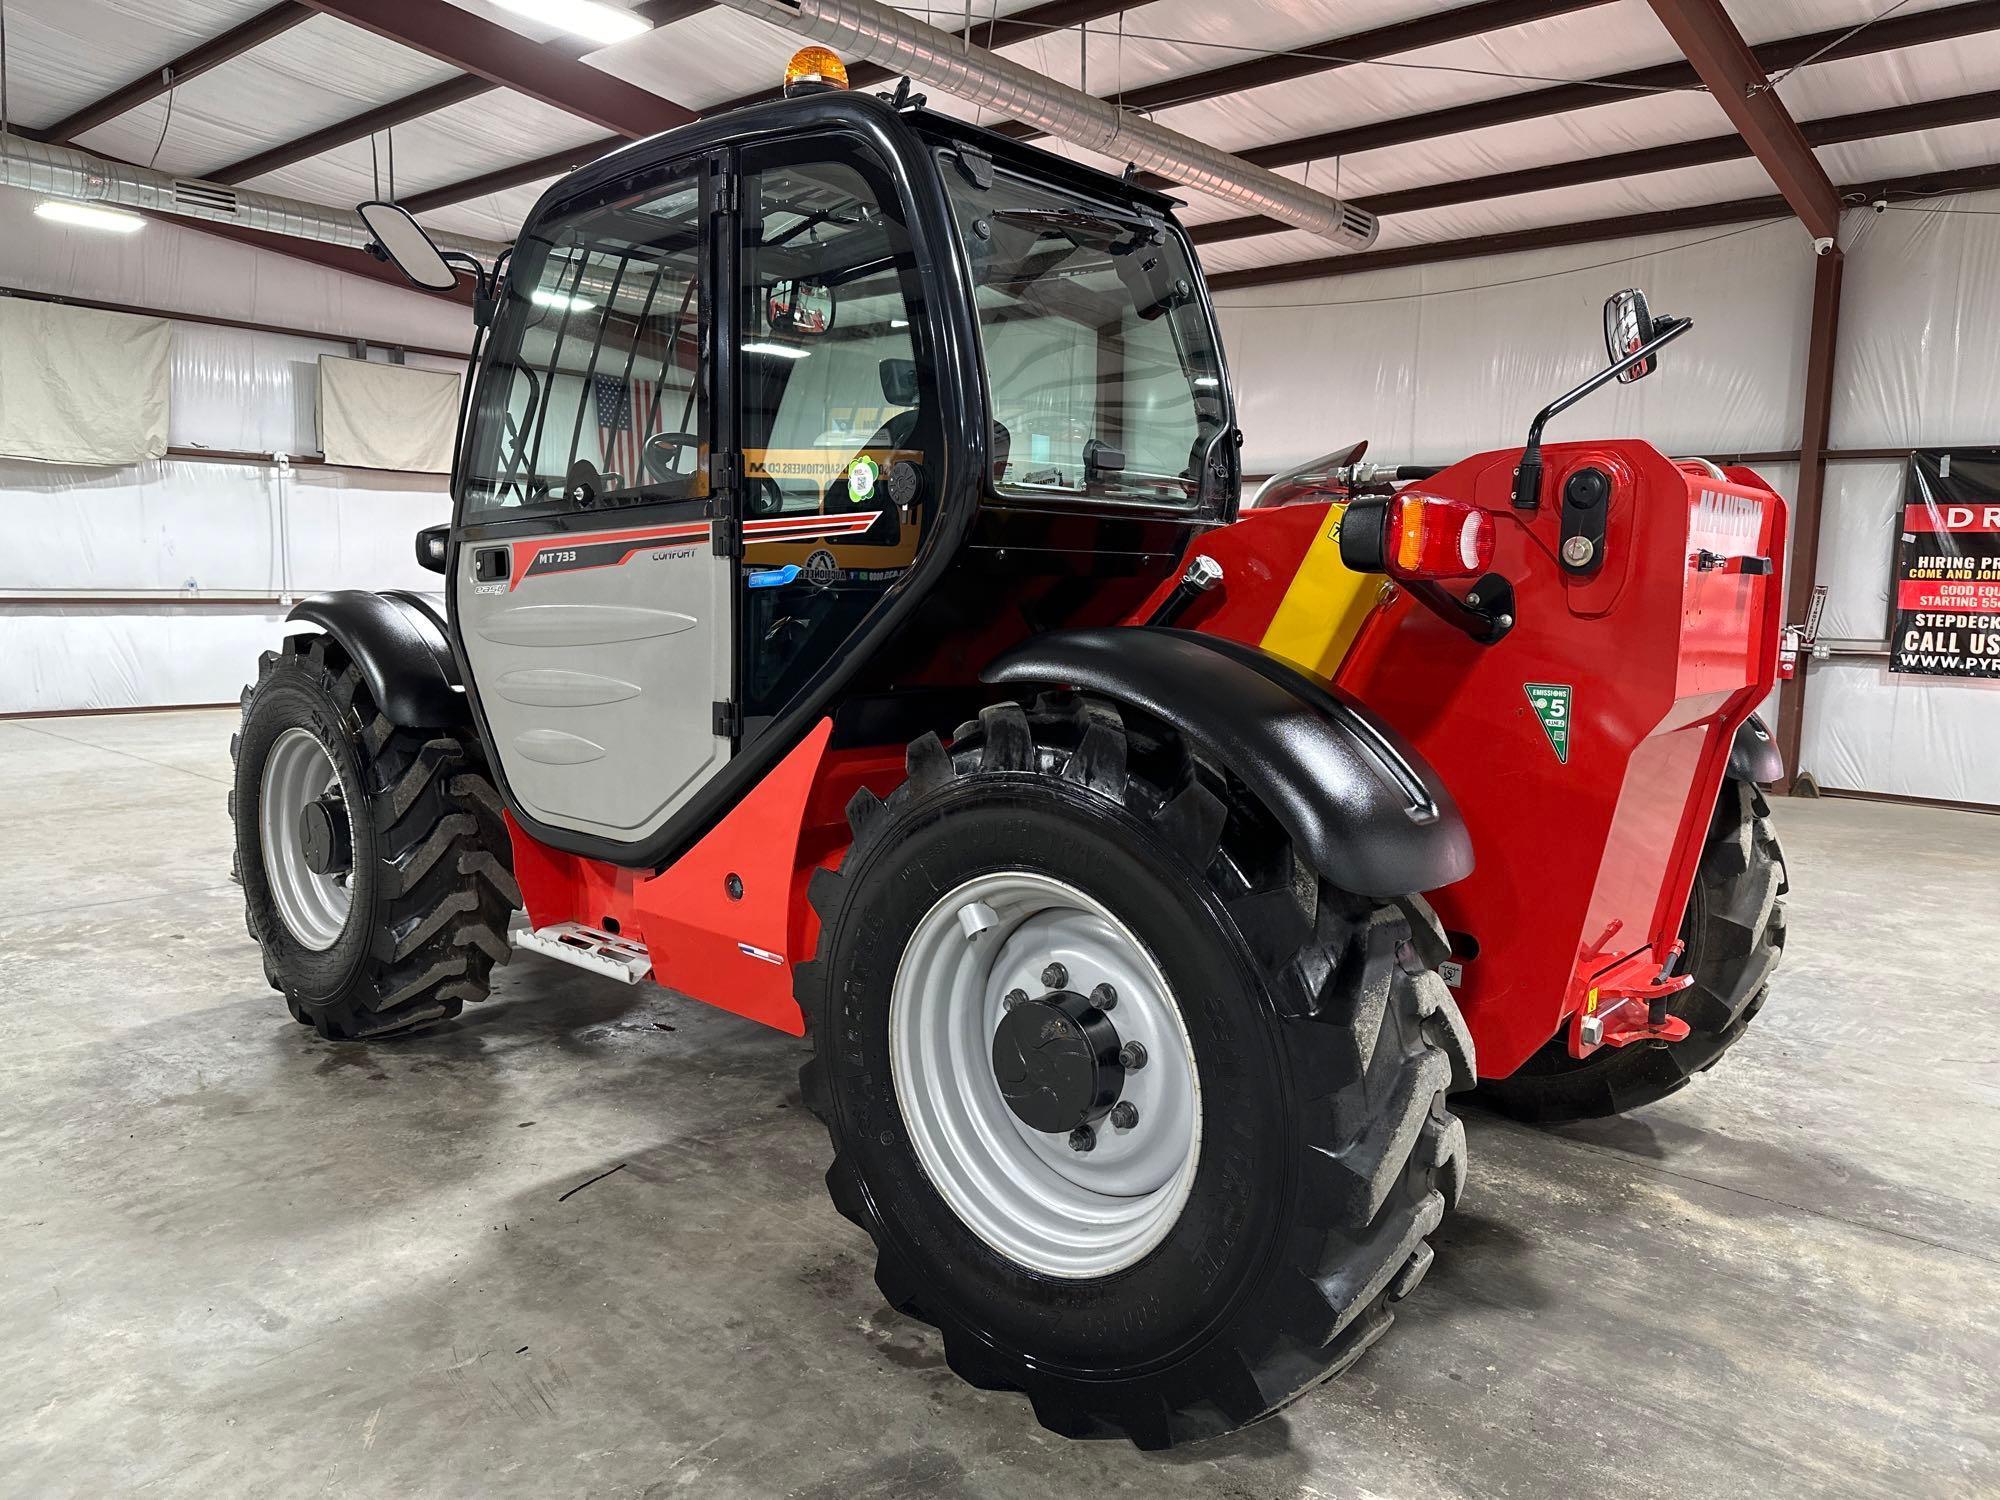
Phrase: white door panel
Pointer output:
(598, 662)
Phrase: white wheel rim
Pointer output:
(1027, 1193)
(313, 907)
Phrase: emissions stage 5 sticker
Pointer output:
(1551, 703)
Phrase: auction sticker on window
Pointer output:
(861, 477)
(1948, 567)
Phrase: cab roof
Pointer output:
(778, 118)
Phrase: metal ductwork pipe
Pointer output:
(64, 172)
(864, 30)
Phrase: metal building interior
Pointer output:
(575, 1240)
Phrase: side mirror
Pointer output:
(409, 249)
(432, 546)
(1628, 326)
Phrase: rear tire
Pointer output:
(410, 930)
(1323, 1046)
(1735, 935)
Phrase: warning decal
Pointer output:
(1550, 701)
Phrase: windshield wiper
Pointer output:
(1101, 227)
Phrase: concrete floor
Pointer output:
(235, 1260)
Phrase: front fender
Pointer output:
(1753, 754)
(1362, 808)
(400, 648)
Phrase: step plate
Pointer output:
(588, 948)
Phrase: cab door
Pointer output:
(590, 601)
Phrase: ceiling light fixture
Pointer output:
(89, 216)
(542, 297)
(783, 351)
(594, 22)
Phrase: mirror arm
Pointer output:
(1528, 477)
(483, 283)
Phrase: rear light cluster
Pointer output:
(1417, 536)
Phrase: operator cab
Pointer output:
(745, 394)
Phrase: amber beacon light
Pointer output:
(813, 70)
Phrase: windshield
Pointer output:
(592, 385)
(1105, 372)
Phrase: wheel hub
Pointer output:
(1056, 1059)
(305, 833)
(1066, 1143)
(324, 840)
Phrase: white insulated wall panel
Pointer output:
(1431, 363)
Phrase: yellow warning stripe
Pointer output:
(1324, 606)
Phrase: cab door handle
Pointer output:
(489, 564)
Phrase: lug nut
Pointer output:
(1083, 1138)
(1125, 1114)
(1013, 998)
(1054, 977)
(1132, 1057)
(1104, 997)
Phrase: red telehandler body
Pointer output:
(849, 623)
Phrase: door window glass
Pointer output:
(828, 362)
(836, 414)
(593, 393)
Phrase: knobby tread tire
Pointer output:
(1369, 1043)
(430, 908)
(1735, 935)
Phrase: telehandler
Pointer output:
(848, 622)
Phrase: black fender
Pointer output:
(1361, 806)
(1753, 754)
(400, 646)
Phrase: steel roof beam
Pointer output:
(1741, 85)
(1337, 52)
(509, 60)
(410, 107)
(191, 64)
(1589, 231)
(1022, 26)
(1870, 124)
(1892, 34)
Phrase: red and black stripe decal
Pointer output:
(564, 554)
(570, 553)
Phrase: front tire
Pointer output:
(1206, 1293)
(1735, 935)
(374, 860)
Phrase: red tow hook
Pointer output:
(1617, 1015)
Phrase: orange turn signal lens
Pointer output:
(1431, 537)
(813, 69)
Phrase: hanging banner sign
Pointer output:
(1947, 600)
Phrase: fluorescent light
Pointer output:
(89, 216)
(783, 351)
(543, 297)
(899, 322)
(1207, 381)
(603, 24)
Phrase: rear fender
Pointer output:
(1361, 807)
(398, 643)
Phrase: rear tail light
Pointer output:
(1417, 536)
(1431, 537)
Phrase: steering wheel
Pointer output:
(765, 498)
(660, 457)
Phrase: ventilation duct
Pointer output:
(864, 30)
(63, 172)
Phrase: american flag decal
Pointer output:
(622, 410)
